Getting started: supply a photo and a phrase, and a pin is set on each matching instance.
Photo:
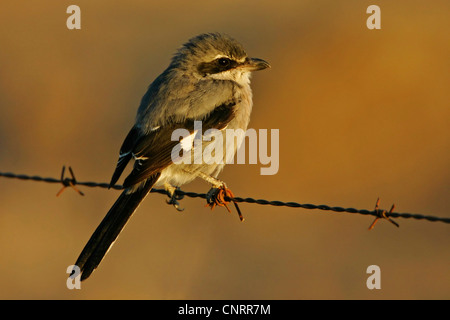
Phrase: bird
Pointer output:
(207, 80)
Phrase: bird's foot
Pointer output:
(220, 195)
(173, 196)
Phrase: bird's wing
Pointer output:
(153, 151)
(163, 109)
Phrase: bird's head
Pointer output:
(217, 56)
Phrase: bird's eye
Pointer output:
(224, 61)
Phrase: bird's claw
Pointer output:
(211, 197)
(173, 200)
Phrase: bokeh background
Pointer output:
(362, 114)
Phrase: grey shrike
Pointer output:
(207, 80)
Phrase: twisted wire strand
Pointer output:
(66, 182)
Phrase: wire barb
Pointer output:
(381, 214)
(66, 182)
(221, 197)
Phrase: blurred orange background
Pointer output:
(362, 114)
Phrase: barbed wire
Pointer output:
(377, 213)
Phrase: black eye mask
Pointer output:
(216, 66)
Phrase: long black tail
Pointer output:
(110, 227)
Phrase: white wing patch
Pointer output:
(139, 158)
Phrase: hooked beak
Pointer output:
(255, 64)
